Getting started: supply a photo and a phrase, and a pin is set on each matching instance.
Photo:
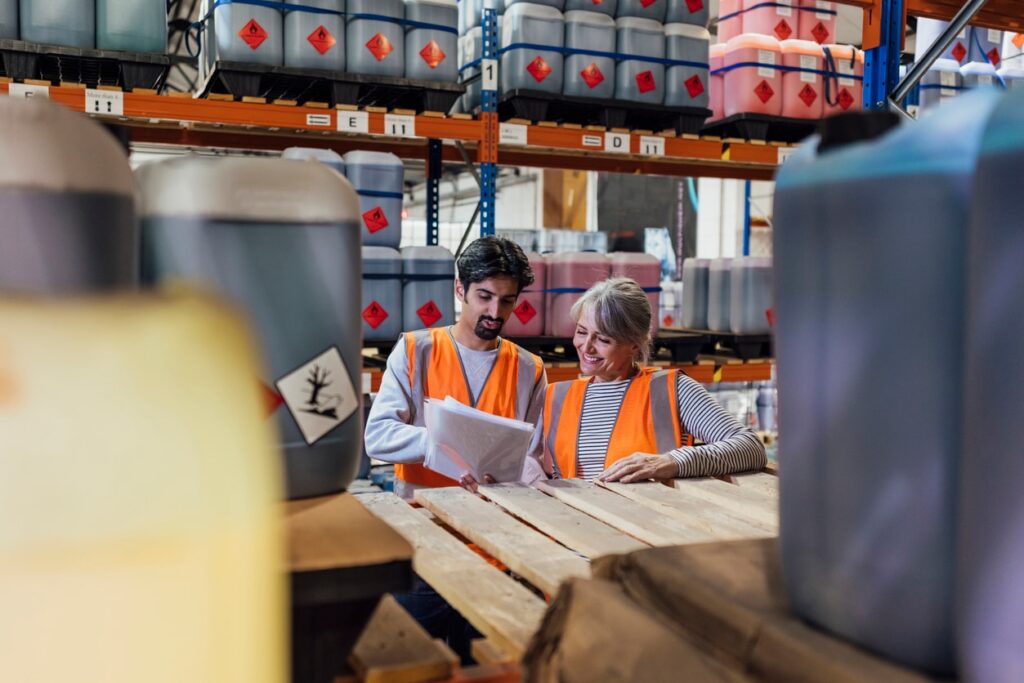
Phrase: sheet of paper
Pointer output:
(466, 440)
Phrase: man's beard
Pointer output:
(485, 332)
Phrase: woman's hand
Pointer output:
(641, 467)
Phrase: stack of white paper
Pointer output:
(466, 440)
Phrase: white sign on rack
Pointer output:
(323, 120)
(489, 74)
(653, 146)
(27, 90)
(592, 141)
(617, 143)
(353, 121)
(104, 102)
(400, 125)
(512, 134)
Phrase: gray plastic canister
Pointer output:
(687, 86)
(990, 552)
(67, 201)
(382, 294)
(378, 178)
(695, 293)
(589, 75)
(280, 239)
(694, 12)
(645, 9)
(428, 295)
(635, 80)
(58, 22)
(719, 297)
(471, 13)
(431, 53)
(870, 469)
(470, 50)
(986, 45)
(247, 33)
(9, 19)
(327, 157)
(941, 82)
(529, 68)
(314, 40)
(555, 4)
(133, 25)
(375, 47)
(750, 291)
(603, 6)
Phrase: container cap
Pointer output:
(640, 24)
(747, 41)
(326, 156)
(978, 68)
(948, 65)
(381, 254)
(687, 31)
(578, 16)
(362, 158)
(801, 47)
(387, 8)
(261, 190)
(527, 9)
(427, 254)
(45, 145)
(846, 52)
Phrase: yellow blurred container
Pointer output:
(139, 540)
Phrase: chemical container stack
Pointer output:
(527, 319)
(427, 296)
(130, 26)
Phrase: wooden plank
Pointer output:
(717, 520)
(744, 504)
(762, 482)
(495, 604)
(393, 648)
(565, 524)
(623, 514)
(486, 652)
(531, 555)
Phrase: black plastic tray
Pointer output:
(762, 127)
(21, 60)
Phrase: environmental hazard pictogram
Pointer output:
(374, 314)
(253, 34)
(429, 313)
(375, 219)
(379, 46)
(321, 39)
(319, 395)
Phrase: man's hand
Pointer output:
(641, 467)
(467, 481)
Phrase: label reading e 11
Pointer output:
(617, 143)
(104, 102)
(353, 121)
(652, 146)
(400, 125)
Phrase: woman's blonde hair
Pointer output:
(621, 311)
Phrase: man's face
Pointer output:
(487, 305)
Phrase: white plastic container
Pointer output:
(132, 25)
(752, 89)
(643, 9)
(719, 297)
(382, 294)
(803, 92)
(687, 86)
(245, 33)
(603, 6)
(379, 179)
(428, 298)
(578, 272)
(375, 47)
(750, 291)
(589, 75)
(817, 21)
(314, 40)
(527, 319)
(328, 157)
(716, 81)
(9, 19)
(941, 82)
(979, 75)
(645, 270)
(730, 20)
(986, 46)
(844, 91)
(693, 12)
(929, 30)
(636, 80)
(1013, 77)
(431, 53)
(779, 20)
(71, 23)
(529, 68)
(695, 293)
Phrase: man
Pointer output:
(470, 362)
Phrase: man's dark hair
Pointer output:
(493, 256)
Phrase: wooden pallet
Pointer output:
(548, 535)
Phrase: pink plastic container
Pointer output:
(781, 23)
(646, 270)
(845, 93)
(730, 27)
(752, 89)
(527, 319)
(578, 270)
(817, 21)
(803, 93)
(716, 84)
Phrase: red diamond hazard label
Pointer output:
(807, 94)
(845, 98)
(525, 312)
(645, 81)
(379, 46)
(253, 34)
(820, 33)
(271, 399)
(596, 2)
(959, 51)
(592, 76)
(694, 86)
(321, 39)
(374, 315)
(764, 91)
(429, 313)
(993, 56)
(375, 219)
(783, 30)
(647, 3)
(538, 68)
(694, 5)
(432, 54)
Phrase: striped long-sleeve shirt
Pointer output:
(729, 446)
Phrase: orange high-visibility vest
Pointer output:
(648, 421)
(435, 371)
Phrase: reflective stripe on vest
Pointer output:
(435, 371)
(648, 420)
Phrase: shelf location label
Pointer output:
(353, 121)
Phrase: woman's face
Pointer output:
(601, 357)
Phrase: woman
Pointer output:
(626, 422)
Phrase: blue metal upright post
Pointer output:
(433, 191)
(746, 218)
(882, 64)
(488, 154)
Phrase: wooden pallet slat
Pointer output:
(762, 482)
(632, 518)
(740, 503)
(531, 555)
(394, 648)
(494, 603)
(568, 526)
